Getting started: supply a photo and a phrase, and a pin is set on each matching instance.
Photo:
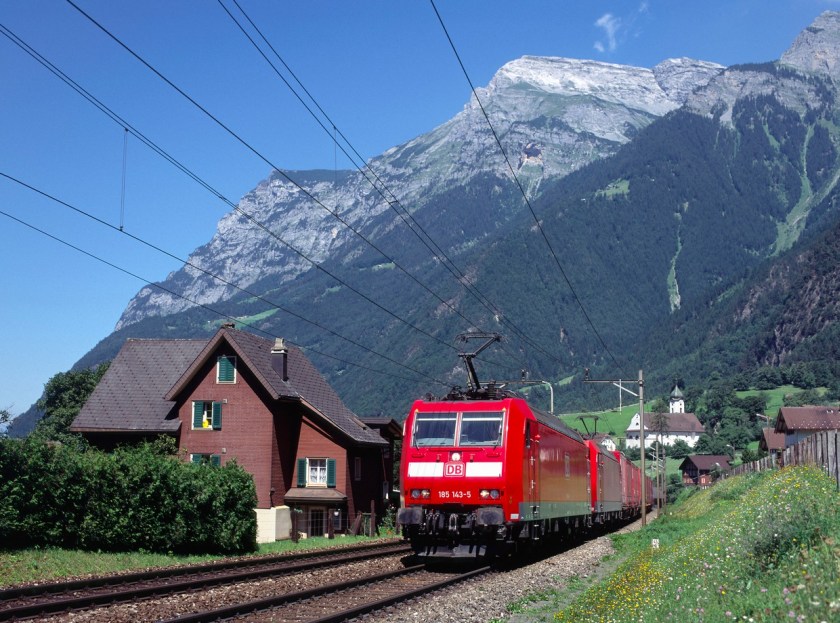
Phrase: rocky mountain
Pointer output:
(667, 196)
(553, 116)
(815, 49)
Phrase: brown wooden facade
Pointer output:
(263, 404)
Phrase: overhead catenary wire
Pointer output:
(378, 184)
(189, 300)
(124, 167)
(122, 122)
(522, 191)
(213, 275)
(280, 172)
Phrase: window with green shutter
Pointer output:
(213, 460)
(301, 472)
(207, 415)
(313, 472)
(226, 369)
(198, 414)
(331, 472)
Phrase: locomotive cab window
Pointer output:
(481, 429)
(434, 429)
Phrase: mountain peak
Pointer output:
(635, 87)
(817, 48)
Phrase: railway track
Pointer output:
(337, 602)
(40, 600)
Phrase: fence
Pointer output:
(821, 449)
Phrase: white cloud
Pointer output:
(611, 24)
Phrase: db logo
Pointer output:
(453, 469)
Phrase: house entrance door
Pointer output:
(317, 522)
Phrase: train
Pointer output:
(484, 474)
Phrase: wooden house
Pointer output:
(797, 423)
(699, 469)
(263, 403)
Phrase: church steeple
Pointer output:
(677, 401)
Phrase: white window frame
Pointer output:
(318, 469)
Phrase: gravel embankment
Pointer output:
(486, 599)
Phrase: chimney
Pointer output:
(280, 358)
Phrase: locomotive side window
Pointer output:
(434, 429)
(481, 429)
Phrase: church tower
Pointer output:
(677, 401)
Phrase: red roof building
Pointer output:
(797, 423)
(239, 396)
(771, 441)
(698, 469)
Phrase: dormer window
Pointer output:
(226, 369)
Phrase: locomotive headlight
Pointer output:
(425, 493)
(494, 493)
(489, 493)
(456, 456)
(415, 493)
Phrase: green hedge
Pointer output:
(136, 498)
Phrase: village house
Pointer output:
(605, 441)
(239, 396)
(771, 442)
(700, 469)
(681, 426)
(797, 423)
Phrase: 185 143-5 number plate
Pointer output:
(454, 495)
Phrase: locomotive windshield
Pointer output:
(481, 429)
(473, 429)
(435, 429)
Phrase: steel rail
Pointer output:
(250, 607)
(275, 566)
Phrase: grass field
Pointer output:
(760, 548)
(32, 565)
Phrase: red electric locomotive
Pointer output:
(485, 474)
(484, 477)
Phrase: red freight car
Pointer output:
(631, 487)
(605, 483)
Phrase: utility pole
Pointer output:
(641, 395)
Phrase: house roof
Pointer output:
(706, 462)
(771, 440)
(677, 423)
(130, 396)
(305, 384)
(384, 424)
(811, 418)
(147, 376)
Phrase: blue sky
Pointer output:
(382, 70)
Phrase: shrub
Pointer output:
(137, 498)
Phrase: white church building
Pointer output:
(681, 425)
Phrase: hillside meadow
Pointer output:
(757, 548)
